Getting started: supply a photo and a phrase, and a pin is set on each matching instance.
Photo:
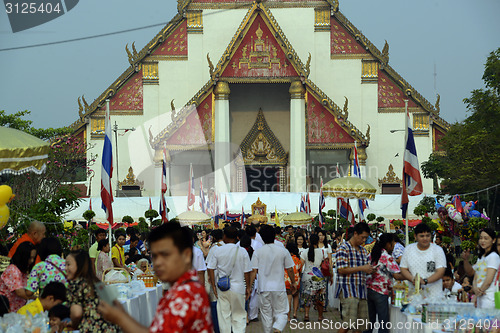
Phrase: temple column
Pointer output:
(222, 138)
(298, 168)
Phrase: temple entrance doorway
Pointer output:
(262, 178)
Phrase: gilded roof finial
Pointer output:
(173, 110)
(437, 103)
(368, 133)
(132, 56)
(308, 65)
(210, 65)
(85, 103)
(385, 52)
(346, 113)
(80, 109)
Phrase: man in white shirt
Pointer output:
(258, 238)
(269, 262)
(425, 259)
(233, 261)
(199, 264)
(252, 233)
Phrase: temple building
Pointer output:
(267, 95)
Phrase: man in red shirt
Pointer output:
(185, 306)
(34, 235)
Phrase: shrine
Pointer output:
(260, 96)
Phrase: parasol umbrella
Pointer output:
(21, 152)
(349, 188)
(298, 218)
(193, 217)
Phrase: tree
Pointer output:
(470, 157)
(47, 197)
(151, 214)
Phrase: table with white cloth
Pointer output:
(142, 307)
(403, 322)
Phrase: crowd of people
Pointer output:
(220, 280)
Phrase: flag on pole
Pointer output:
(276, 217)
(191, 195)
(107, 170)
(363, 204)
(346, 211)
(150, 205)
(202, 198)
(225, 207)
(321, 205)
(242, 217)
(338, 171)
(163, 202)
(308, 204)
(412, 183)
(302, 203)
(216, 211)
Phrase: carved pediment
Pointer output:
(261, 146)
(390, 177)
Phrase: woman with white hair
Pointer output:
(142, 267)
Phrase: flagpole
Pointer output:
(407, 237)
(337, 199)
(110, 176)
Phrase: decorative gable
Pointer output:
(176, 44)
(259, 54)
(390, 95)
(261, 146)
(129, 96)
(196, 129)
(322, 127)
(343, 44)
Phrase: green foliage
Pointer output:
(156, 223)
(332, 212)
(142, 219)
(446, 240)
(468, 245)
(93, 228)
(128, 219)
(398, 223)
(143, 226)
(420, 210)
(370, 217)
(477, 223)
(151, 214)
(88, 215)
(380, 219)
(15, 121)
(470, 157)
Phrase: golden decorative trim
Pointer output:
(150, 71)
(351, 56)
(130, 180)
(189, 147)
(297, 90)
(97, 125)
(97, 136)
(194, 21)
(330, 146)
(119, 113)
(322, 19)
(166, 57)
(420, 122)
(149, 82)
(421, 133)
(399, 110)
(259, 208)
(390, 178)
(369, 71)
(260, 146)
(222, 90)
(351, 193)
(259, 80)
(241, 5)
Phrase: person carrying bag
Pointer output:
(224, 283)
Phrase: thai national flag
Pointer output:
(308, 204)
(203, 204)
(363, 204)
(346, 211)
(163, 202)
(321, 205)
(150, 205)
(216, 211)
(107, 170)
(412, 183)
(242, 217)
(225, 208)
(302, 203)
(191, 195)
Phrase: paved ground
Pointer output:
(299, 326)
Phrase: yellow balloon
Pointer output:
(4, 215)
(5, 194)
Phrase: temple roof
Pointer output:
(136, 58)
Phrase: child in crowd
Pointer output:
(449, 284)
(53, 294)
(59, 316)
(464, 293)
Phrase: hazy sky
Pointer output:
(452, 36)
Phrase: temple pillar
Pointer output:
(298, 168)
(222, 138)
